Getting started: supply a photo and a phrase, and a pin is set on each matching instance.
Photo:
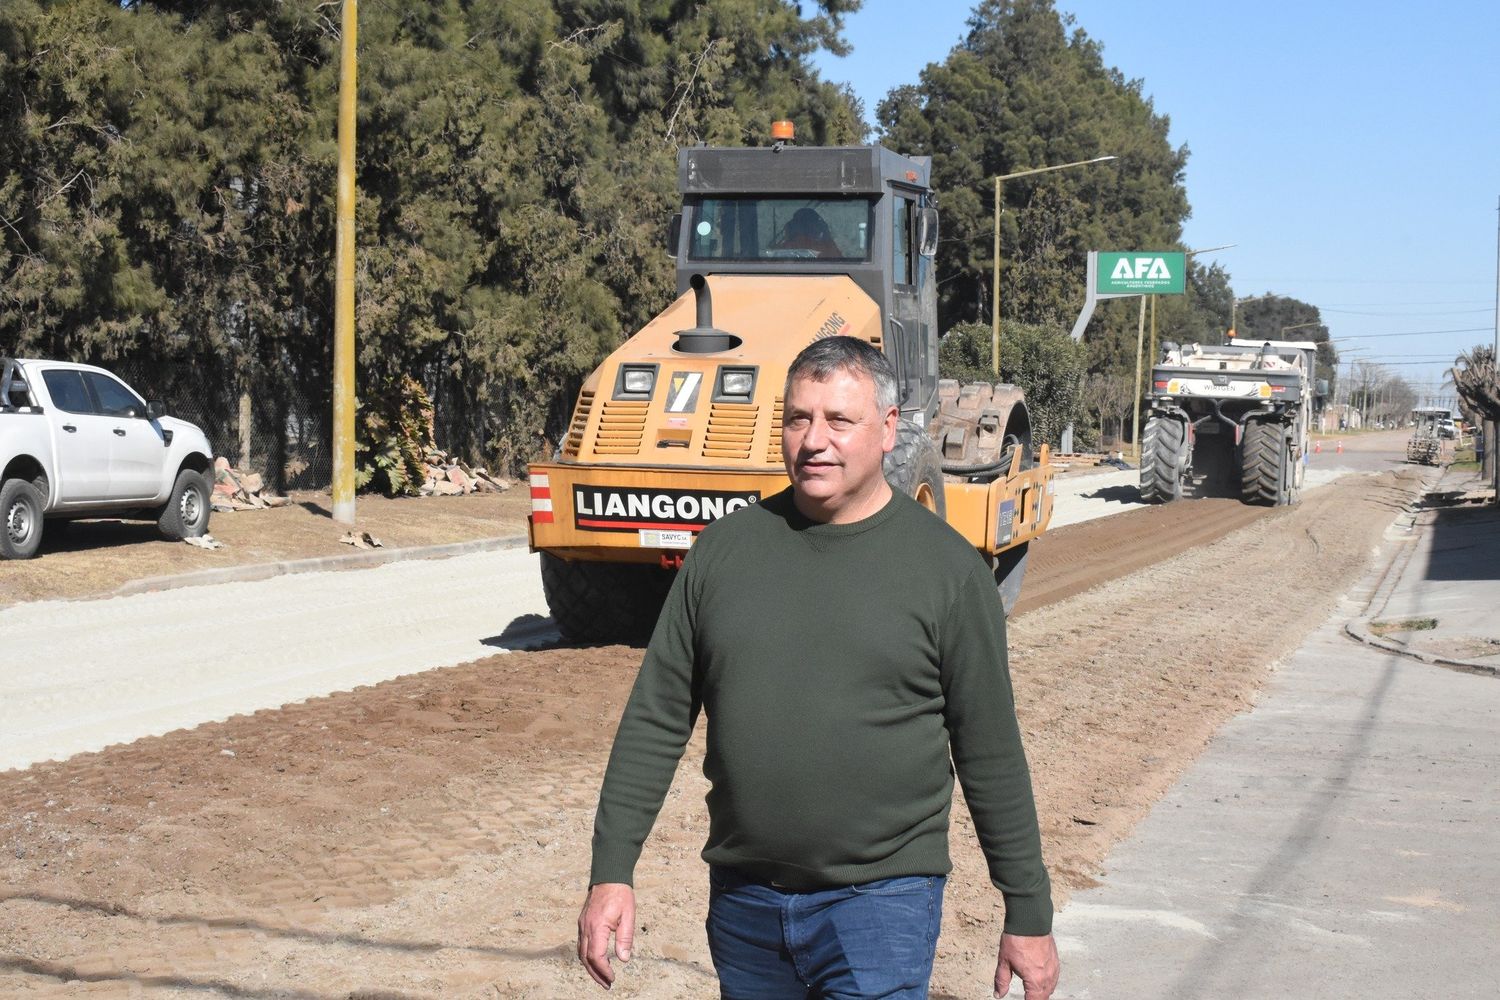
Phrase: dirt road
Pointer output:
(429, 836)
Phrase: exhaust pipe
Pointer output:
(704, 338)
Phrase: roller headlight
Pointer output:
(736, 384)
(636, 382)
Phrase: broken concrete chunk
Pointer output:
(361, 540)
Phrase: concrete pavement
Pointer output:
(1337, 840)
(1440, 600)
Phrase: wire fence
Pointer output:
(260, 423)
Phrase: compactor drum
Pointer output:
(1229, 421)
(775, 247)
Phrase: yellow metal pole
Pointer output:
(995, 291)
(343, 316)
(1140, 337)
(1151, 351)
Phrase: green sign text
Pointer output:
(1141, 273)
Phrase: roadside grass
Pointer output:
(1403, 625)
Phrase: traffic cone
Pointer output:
(1317, 447)
(1341, 448)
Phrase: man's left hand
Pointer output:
(1034, 959)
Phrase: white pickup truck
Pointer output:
(75, 441)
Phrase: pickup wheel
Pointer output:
(186, 512)
(21, 507)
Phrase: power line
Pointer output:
(1424, 312)
(1411, 333)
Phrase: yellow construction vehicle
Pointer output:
(776, 246)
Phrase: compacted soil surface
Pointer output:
(430, 835)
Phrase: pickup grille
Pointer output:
(622, 426)
(573, 443)
(731, 428)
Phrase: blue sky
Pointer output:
(1350, 150)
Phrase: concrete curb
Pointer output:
(1360, 629)
(251, 572)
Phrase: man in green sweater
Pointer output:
(844, 646)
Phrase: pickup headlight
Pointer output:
(736, 384)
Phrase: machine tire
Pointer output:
(914, 469)
(604, 602)
(1264, 456)
(20, 519)
(1163, 459)
(188, 506)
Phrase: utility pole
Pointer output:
(343, 283)
(1491, 461)
(1140, 334)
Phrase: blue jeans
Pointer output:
(856, 943)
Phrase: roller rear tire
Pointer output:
(604, 602)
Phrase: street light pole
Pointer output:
(995, 278)
(1298, 326)
(1234, 306)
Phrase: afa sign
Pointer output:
(1141, 273)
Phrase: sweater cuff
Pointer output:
(613, 865)
(1028, 916)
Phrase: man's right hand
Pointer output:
(609, 909)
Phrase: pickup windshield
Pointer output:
(781, 228)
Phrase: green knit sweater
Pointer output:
(837, 665)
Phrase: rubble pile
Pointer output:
(234, 490)
(449, 477)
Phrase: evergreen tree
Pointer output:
(1022, 91)
(167, 180)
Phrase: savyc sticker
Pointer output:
(611, 508)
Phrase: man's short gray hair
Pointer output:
(820, 359)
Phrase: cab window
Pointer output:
(902, 240)
(781, 229)
(114, 399)
(67, 391)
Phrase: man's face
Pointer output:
(833, 438)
